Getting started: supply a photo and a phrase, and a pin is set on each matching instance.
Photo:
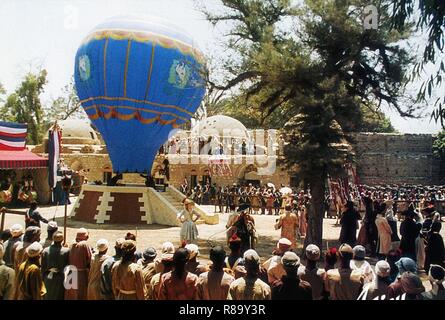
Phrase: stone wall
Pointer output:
(396, 158)
(380, 159)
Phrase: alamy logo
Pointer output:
(71, 277)
(371, 17)
(231, 146)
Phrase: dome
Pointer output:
(222, 126)
(78, 132)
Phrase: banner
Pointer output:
(54, 146)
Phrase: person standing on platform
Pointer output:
(80, 258)
(54, 260)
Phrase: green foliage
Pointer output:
(439, 145)
(24, 105)
(429, 17)
(66, 106)
(317, 64)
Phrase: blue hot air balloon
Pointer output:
(137, 79)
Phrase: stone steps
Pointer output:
(178, 204)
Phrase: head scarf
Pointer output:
(411, 283)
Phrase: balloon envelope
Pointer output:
(137, 79)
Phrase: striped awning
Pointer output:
(21, 159)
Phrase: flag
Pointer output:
(54, 145)
(13, 135)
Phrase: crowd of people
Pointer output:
(31, 269)
(264, 199)
(35, 270)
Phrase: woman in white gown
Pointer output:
(188, 217)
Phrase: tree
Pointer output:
(66, 106)
(24, 105)
(2, 92)
(369, 119)
(439, 146)
(319, 61)
(430, 17)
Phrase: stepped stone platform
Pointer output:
(132, 204)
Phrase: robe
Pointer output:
(93, 290)
(105, 278)
(173, 288)
(349, 225)
(288, 222)
(315, 277)
(128, 281)
(214, 285)
(148, 272)
(7, 279)
(54, 261)
(384, 232)
(249, 289)
(29, 283)
(275, 269)
(344, 284)
(9, 253)
(79, 257)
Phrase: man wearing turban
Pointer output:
(29, 283)
(54, 261)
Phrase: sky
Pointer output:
(47, 33)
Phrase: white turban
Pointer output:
(168, 247)
(102, 245)
(16, 230)
(34, 249)
(193, 250)
(382, 268)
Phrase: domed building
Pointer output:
(220, 126)
(79, 132)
